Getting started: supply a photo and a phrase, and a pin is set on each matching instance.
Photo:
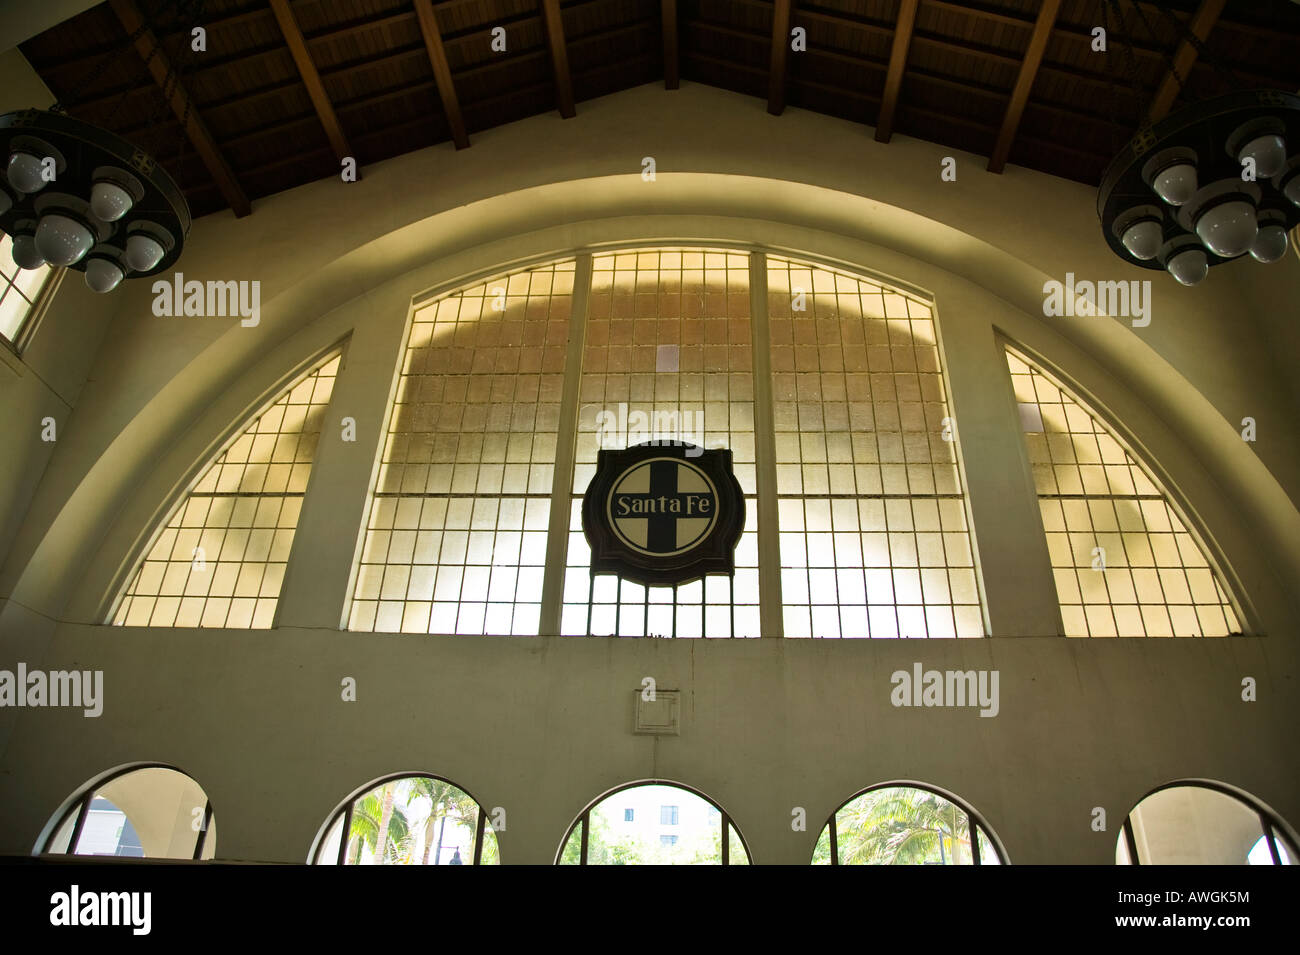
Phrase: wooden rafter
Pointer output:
(78, 61)
(559, 57)
(311, 79)
(251, 58)
(946, 119)
(864, 98)
(441, 72)
(182, 104)
(915, 74)
(780, 55)
(1024, 83)
(400, 127)
(672, 67)
(897, 63)
(346, 108)
(1207, 14)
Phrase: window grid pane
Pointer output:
(873, 532)
(220, 559)
(1126, 564)
(668, 355)
(456, 538)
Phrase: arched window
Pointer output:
(153, 812)
(410, 820)
(656, 823)
(904, 825)
(1126, 562)
(1202, 823)
(219, 560)
(827, 389)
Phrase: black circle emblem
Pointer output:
(662, 506)
(659, 514)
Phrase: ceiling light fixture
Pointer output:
(1211, 182)
(97, 189)
(1188, 176)
(77, 196)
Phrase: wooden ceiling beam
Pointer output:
(988, 55)
(372, 100)
(859, 62)
(1207, 14)
(865, 98)
(897, 65)
(869, 99)
(311, 79)
(389, 130)
(1024, 83)
(780, 55)
(672, 65)
(559, 57)
(82, 59)
(246, 57)
(1080, 35)
(369, 102)
(244, 100)
(441, 72)
(181, 103)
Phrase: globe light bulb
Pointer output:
(24, 252)
(1269, 153)
(1189, 266)
(1142, 239)
(143, 252)
(6, 203)
(62, 240)
(109, 201)
(25, 172)
(1270, 244)
(1175, 184)
(1229, 228)
(103, 275)
(1292, 190)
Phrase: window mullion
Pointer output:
(557, 537)
(769, 541)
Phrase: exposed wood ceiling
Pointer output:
(286, 88)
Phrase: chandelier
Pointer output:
(77, 196)
(1209, 183)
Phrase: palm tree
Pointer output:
(444, 800)
(374, 824)
(899, 826)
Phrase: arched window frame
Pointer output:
(583, 819)
(995, 607)
(344, 813)
(978, 826)
(1135, 448)
(771, 606)
(1271, 825)
(80, 809)
(184, 488)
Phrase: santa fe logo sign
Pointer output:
(663, 514)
